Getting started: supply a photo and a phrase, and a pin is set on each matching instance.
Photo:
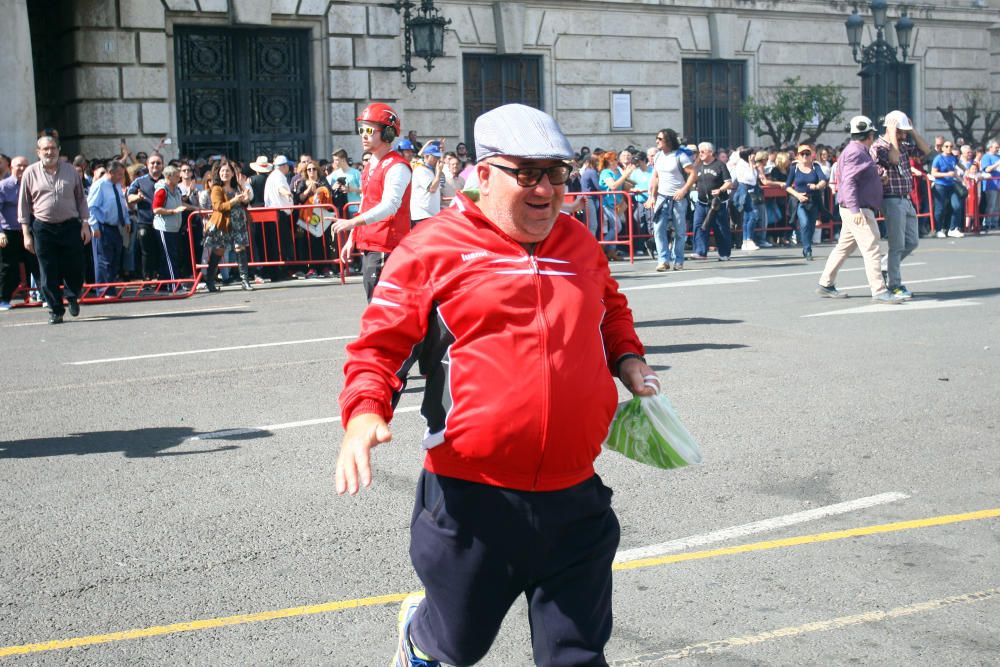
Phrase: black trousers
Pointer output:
(372, 264)
(477, 548)
(149, 250)
(12, 258)
(59, 249)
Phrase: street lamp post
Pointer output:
(423, 35)
(877, 58)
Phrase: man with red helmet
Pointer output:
(384, 217)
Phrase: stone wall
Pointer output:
(114, 75)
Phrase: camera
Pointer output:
(342, 180)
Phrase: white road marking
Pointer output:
(765, 525)
(206, 350)
(100, 318)
(214, 435)
(909, 306)
(707, 648)
(910, 282)
(722, 280)
(698, 282)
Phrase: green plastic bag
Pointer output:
(647, 429)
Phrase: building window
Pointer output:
(492, 81)
(898, 92)
(713, 93)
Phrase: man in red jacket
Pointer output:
(500, 301)
(384, 216)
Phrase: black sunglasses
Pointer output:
(529, 177)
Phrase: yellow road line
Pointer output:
(708, 648)
(210, 623)
(810, 539)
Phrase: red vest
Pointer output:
(384, 235)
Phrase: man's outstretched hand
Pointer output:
(354, 468)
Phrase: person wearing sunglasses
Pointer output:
(805, 185)
(501, 299)
(384, 216)
(949, 207)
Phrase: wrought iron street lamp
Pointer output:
(423, 35)
(876, 58)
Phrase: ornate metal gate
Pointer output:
(242, 93)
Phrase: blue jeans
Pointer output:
(807, 225)
(946, 199)
(593, 215)
(669, 214)
(720, 224)
(610, 222)
(744, 204)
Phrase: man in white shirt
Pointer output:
(425, 197)
(278, 194)
(673, 177)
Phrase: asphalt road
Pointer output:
(194, 487)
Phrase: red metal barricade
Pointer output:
(288, 243)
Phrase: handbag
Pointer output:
(961, 190)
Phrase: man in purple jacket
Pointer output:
(859, 195)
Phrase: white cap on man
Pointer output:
(902, 120)
(862, 125)
(516, 130)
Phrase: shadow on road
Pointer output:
(145, 442)
(97, 317)
(691, 347)
(684, 322)
(959, 294)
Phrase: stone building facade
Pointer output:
(250, 76)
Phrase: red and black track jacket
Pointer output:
(519, 349)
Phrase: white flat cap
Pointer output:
(516, 130)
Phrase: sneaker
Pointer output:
(765, 244)
(4, 305)
(887, 297)
(405, 651)
(678, 267)
(661, 267)
(902, 293)
(830, 292)
(724, 259)
(310, 274)
(257, 280)
(298, 275)
(955, 234)
(699, 256)
(750, 245)
(940, 234)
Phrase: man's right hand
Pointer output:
(345, 250)
(354, 469)
(29, 244)
(3, 240)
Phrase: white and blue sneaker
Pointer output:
(4, 305)
(407, 655)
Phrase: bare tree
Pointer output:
(961, 120)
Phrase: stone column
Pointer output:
(18, 130)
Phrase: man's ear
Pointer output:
(483, 171)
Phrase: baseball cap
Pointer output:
(280, 160)
(862, 125)
(902, 120)
(405, 145)
(516, 130)
(432, 149)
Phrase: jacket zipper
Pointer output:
(546, 371)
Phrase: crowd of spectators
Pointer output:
(774, 197)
